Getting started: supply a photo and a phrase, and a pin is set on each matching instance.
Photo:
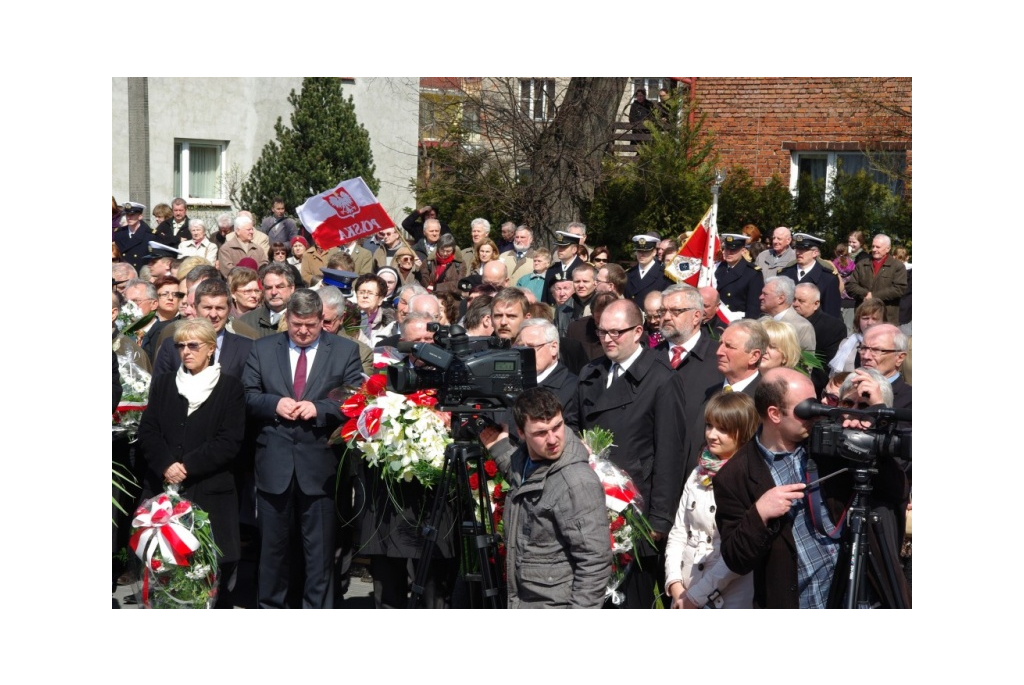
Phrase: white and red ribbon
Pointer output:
(158, 526)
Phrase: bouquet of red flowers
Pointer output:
(627, 524)
(173, 540)
(402, 434)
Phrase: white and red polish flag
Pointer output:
(695, 263)
(346, 213)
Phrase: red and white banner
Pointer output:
(695, 263)
(346, 213)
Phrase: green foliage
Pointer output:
(324, 146)
(665, 190)
(465, 183)
(857, 202)
(741, 202)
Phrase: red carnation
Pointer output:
(497, 491)
(491, 468)
(619, 522)
(474, 482)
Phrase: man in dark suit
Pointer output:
(686, 348)
(739, 353)
(829, 331)
(634, 393)
(649, 274)
(133, 240)
(542, 336)
(278, 286)
(567, 248)
(739, 283)
(287, 380)
(810, 269)
(212, 303)
(773, 526)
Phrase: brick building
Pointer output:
(790, 126)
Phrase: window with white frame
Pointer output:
(537, 98)
(650, 85)
(884, 167)
(198, 170)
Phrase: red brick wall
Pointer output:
(753, 117)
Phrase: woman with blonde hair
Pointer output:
(783, 345)
(485, 252)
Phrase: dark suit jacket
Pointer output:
(655, 280)
(829, 333)
(828, 284)
(554, 273)
(584, 331)
(644, 411)
(206, 442)
(699, 370)
(564, 384)
(572, 354)
(135, 249)
(233, 355)
(901, 394)
(259, 319)
(694, 444)
(285, 447)
(740, 288)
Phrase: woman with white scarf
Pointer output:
(191, 432)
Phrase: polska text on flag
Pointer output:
(346, 213)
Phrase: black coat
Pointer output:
(135, 249)
(828, 285)
(699, 370)
(644, 412)
(829, 333)
(638, 288)
(694, 444)
(740, 288)
(206, 442)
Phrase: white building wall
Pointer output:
(242, 111)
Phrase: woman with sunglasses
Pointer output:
(599, 256)
(191, 433)
(405, 261)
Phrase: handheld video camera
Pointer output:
(862, 445)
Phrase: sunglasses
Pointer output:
(194, 346)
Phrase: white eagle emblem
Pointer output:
(343, 203)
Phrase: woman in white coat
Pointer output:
(695, 573)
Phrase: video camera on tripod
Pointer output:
(862, 447)
(883, 439)
(475, 378)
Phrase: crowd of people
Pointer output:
(254, 328)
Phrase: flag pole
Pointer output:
(712, 231)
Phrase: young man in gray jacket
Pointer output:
(558, 551)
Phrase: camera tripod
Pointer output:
(459, 457)
(861, 516)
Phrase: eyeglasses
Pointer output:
(830, 399)
(873, 350)
(194, 346)
(599, 259)
(248, 291)
(613, 333)
(675, 312)
(850, 404)
(140, 300)
(367, 293)
(537, 346)
(173, 295)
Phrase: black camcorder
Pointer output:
(885, 439)
(470, 374)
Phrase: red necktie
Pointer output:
(300, 374)
(677, 356)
